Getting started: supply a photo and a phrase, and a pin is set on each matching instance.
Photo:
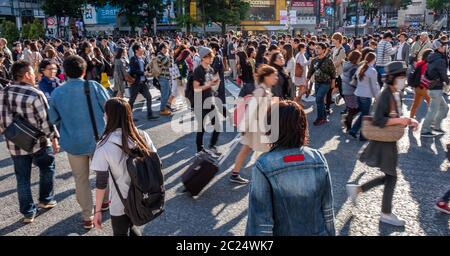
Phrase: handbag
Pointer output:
(20, 132)
(390, 133)
(427, 83)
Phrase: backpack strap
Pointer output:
(117, 187)
(87, 92)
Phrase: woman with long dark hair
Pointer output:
(87, 53)
(119, 138)
(281, 89)
(261, 55)
(246, 74)
(367, 89)
(121, 66)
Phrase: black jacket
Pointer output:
(281, 89)
(437, 70)
(135, 70)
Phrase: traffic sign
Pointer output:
(329, 11)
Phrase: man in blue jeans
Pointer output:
(24, 99)
(164, 78)
(324, 73)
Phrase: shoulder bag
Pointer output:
(389, 133)
(87, 92)
(20, 132)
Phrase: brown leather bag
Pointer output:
(390, 133)
(298, 70)
(130, 80)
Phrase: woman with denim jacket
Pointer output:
(384, 155)
(290, 193)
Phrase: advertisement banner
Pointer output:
(308, 20)
(107, 14)
(100, 15)
(322, 7)
(303, 3)
(283, 17)
(293, 16)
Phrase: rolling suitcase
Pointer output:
(200, 173)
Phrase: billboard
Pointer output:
(262, 10)
(303, 3)
(100, 15)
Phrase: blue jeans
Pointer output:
(437, 111)
(321, 93)
(380, 71)
(45, 160)
(364, 106)
(165, 91)
(446, 196)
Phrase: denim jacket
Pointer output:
(291, 194)
(69, 108)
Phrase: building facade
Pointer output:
(21, 11)
(416, 15)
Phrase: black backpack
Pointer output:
(414, 77)
(189, 91)
(145, 200)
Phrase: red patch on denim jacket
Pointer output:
(294, 158)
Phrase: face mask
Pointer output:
(400, 83)
(105, 119)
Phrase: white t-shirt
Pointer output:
(301, 59)
(108, 155)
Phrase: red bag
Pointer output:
(238, 81)
(427, 83)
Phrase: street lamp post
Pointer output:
(357, 18)
(289, 16)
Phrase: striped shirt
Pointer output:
(31, 104)
(384, 53)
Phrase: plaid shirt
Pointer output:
(164, 62)
(30, 103)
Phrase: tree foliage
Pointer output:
(63, 8)
(228, 12)
(441, 6)
(8, 30)
(136, 12)
(34, 30)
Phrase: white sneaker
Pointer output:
(392, 219)
(352, 192)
